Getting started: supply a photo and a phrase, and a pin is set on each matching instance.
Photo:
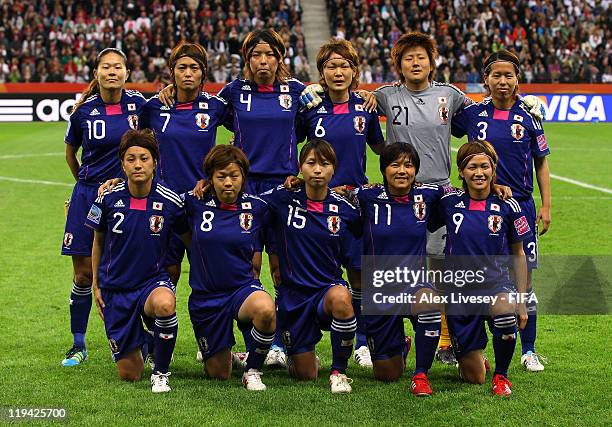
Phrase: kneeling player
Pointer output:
(226, 227)
(395, 217)
(133, 224)
(481, 224)
(313, 227)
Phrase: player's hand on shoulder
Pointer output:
(535, 106)
(293, 182)
(109, 185)
(200, 189)
(342, 190)
(166, 96)
(502, 191)
(369, 100)
(309, 98)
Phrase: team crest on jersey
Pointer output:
(359, 123)
(420, 210)
(246, 221)
(443, 113)
(133, 121)
(112, 343)
(494, 222)
(333, 223)
(202, 120)
(156, 223)
(285, 101)
(517, 131)
(68, 237)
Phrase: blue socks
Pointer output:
(427, 334)
(360, 336)
(164, 338)
(80, 306)
(504, 341)
(342, 335)
(528, 335)
(261, 342)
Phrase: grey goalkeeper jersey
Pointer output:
(423, 119)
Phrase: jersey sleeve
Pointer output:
(460, 101)
(460, 122)
(74, 133)
(518, 226)
(374, 136)
(145, 116)
(539, 143)
(273, 197)
(381, 100)
(226, 94)
(95, 217)
(302, 123)
(180, 224)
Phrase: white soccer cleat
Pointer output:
(251, 380)
(363, 357)
(160, 382)
(276, 358)
(340, 383)
(531, 362)
(199, 357)
(239, 360)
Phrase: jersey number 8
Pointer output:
(207, 217)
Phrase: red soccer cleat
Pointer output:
(501, 386)
(420, 385)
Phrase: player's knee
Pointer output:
(342, 304)
(129, 374)
(83, 278)
(305, 373)
(387, 374)
(165, 306)
(472, 377)
(426, 302)
(266, 314)
(217, 372)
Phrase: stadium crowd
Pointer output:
(558, 41)
(57, 41)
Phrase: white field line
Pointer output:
(23, 156)
(35, 181)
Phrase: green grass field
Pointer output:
(35, 283)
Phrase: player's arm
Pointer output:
(72, 160)
(96, 256)
(166, 95)
(519, 262)
(375, 137)
(543, 177)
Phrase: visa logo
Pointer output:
(574, 108)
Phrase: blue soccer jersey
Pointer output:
(224, 240)
(97, 128)
(186, 132)
(516, 136)
(347, 127)
(264, 124)
(313, 237)
(397, 225)
(483, 229)
(137, 231)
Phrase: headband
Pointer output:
(467, 159)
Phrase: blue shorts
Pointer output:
(530, 245)
(123, 313)
(301, 317)
(78, 238)
(176, 250)
(212, 318)
(255, 186)
(354, 247)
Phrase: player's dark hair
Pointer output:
(275, 41)
(346, 50)
(412, 40)
(474, 148)
(93, 87)
(322, 151)
(194, 51)
(501, 55)
(221, 156)
(144, 138)
(396, 151)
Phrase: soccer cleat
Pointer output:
(160, 382)
(75, 356)
(239, 360)
(531, 362)
(340, 383)
(446, 355)
(420, 385)
(501, 386)
(199, 357)
(251, 380)
(362, 357)
(276, 358)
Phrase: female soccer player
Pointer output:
(133, 224)
(395, 217)
(483, 227)
(313, 227)
(342, 120)
(226, 227)
(104, 112)
(519, 140)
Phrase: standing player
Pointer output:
(133, 225)
(519, 140)
(342, 120)
(483, 227)
(313, 227)
(395, 217)
(226, 227)
(104, 112)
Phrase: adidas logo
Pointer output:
(211, 203)
(321, 110)
(420, 101)
(460, 205)
(119, 204)
(164, 107)
(246, 87)
(383, 196)
(94, 112)
(483, 114)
